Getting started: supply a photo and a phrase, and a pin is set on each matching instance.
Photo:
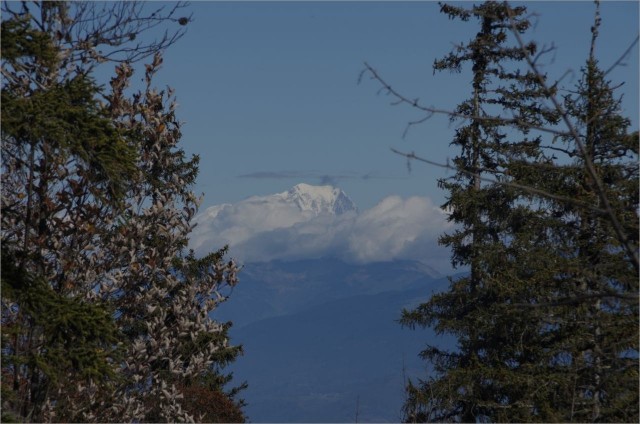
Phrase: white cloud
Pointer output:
(394, 227)
(259, 230)
(234, 224)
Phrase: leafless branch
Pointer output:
(90, 33)
(430, 111)
(558, 149)
(622, 57)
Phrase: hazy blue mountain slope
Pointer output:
(279, 288)
(315, 363)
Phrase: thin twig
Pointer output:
(430, 111)
(623, 56)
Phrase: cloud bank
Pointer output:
(261, 229)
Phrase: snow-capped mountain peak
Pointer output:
(320, 221)
(238, 222)
(319, 199)
(263, 213)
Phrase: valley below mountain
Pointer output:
(321, 338)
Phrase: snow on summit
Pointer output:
(319, 199)
(236, 223)
(308, 199)
(309, 221)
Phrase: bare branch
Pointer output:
(90, 33)
(622, 57)
(558, 149)
(430, 110)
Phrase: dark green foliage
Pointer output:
(78, 336)
(600, 280)
(20, 41)
(63, 114)
(60, 340)
(547, 319)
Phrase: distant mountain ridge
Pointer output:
(315, 200)
(321, 337)
(275, 288)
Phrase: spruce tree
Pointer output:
(547, 318)
(596, 305)
(497, 236)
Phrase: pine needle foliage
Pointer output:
(547, 318)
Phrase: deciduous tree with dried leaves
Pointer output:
(105, 313)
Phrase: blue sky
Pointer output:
(272, 87)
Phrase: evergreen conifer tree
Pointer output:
(595, 305)
(547, 319)
(480, 381)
